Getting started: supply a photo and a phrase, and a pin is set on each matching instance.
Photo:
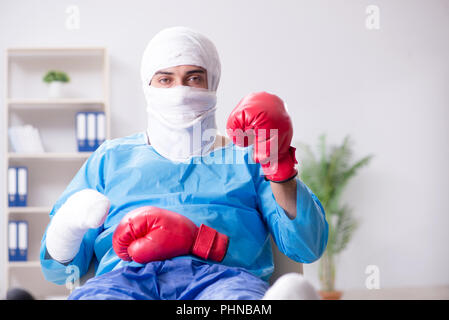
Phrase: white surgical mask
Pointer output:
(181, 121)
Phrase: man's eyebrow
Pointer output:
(164, 72)
(195, 71)
(188, 72)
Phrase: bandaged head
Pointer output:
(181, 119)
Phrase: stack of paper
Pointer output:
(25, 139)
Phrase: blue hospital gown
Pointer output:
(225, 190)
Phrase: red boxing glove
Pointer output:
(154, 234)
(261, 118)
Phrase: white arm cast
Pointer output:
(82, 211)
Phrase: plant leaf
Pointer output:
(327, 175)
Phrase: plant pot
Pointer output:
(55, 89)
(330, 295)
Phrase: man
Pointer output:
(180, 212)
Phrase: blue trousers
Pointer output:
(179, 279)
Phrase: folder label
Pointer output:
(101, 128)
(81, 131)
(23, 240)
(12, 240)
(12, 186)
(22, 185)
(91, 130)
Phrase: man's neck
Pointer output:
(220, 141)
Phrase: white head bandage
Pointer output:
(178, 46)
(181, 120)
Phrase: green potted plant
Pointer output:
(327, 174)
(55, 80)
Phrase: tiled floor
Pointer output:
(433, 293)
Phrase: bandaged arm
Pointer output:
(75, 222)
(303, 238)
(84, 210)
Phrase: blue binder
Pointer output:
(22, 241)
(18, 240)
(12, 240)
(22, 186)
(100, 129)
(17, 186)
(91, 130)
(12, 186)
(81, 131)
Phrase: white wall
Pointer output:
(387, 88)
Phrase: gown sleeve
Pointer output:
(303, 238)
(91, 176)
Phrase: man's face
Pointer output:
(187, 75)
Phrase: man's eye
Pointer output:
(164, 80)
(195, 78)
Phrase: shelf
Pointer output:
(33, 210)
(50, 156)
(24, 264)
(55, 101)
(59, 51)
(60, 104)
(27, 102)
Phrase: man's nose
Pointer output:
(177, 82)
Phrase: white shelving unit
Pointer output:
(51, 171)
(50, 156)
